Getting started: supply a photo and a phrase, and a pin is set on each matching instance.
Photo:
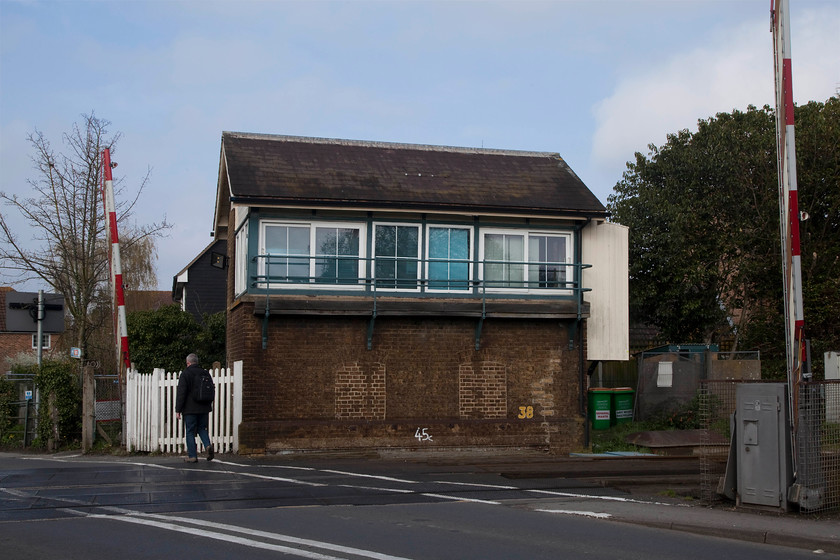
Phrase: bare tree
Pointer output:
(67, 219)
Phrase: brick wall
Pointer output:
(14, 344)
(317, 386)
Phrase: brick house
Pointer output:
(392, 295)
(17, 343)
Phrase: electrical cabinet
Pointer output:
(762, 429)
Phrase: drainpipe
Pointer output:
(579, 332)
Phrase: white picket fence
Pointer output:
(150, 421)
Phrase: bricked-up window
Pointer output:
(307, 253)
(396, 252)
(505, 266)
(448, 266)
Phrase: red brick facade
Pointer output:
(317, 386)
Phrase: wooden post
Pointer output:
(88, 408)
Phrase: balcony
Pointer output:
(355, 286)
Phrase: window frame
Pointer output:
(526, 233)
(418, 259)
(241, 260)
(313, 225)
(469, 261)
(45, 339)
(665, 374)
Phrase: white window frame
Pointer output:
(665, 374)
(527, 234)
(420, 247)
(240, 282)
(313, 256)
(45, 339)
(427, 245)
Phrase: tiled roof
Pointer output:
(307, 172)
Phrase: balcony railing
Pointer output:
(412, 276)
(406, 283)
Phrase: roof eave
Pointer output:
(419, 207)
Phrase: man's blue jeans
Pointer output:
(196, 425)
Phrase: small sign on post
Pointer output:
(75, 352)
(28, 395)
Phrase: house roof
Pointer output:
(262, 169)
(182, 277)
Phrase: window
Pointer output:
(45, 341)
(311, 253)
(503, 260)
(546, 257)
(396, 251)
(449, 258)
(505, 266)
(241, 275)
(287, 250)
(326, 254)
(665, 374)
(337, 249)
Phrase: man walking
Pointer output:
(195, 408)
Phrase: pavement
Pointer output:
(662, 492)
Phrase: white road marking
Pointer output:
(379, 477)
(572, 512)
(376, 488)
(219, 537)
(275, 536)
(171, 468)
(595, 497)
(290, 467)
(457, 499)
(494, 486)
(384, 478)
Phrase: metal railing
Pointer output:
(415, 278)
(411, 276)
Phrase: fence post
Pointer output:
(128, 421)
(237, 403)
(156, 393)
(88, 409)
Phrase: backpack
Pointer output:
(203, 391)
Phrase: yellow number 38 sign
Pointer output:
(526, 412)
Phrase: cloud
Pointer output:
(731, 71)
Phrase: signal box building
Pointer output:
(387, 295)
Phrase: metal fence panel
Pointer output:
(817, 446)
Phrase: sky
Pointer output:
(595, 81)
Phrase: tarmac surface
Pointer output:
(654, 491)
(648, 489)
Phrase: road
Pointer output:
(130, 508)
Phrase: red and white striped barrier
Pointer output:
(788, 192)
(120, 328)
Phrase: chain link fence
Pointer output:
(107, 408)
(817, 449)
(818, 445)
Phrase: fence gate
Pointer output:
(151, 424)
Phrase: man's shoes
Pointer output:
(210, 453)
(191, 460)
